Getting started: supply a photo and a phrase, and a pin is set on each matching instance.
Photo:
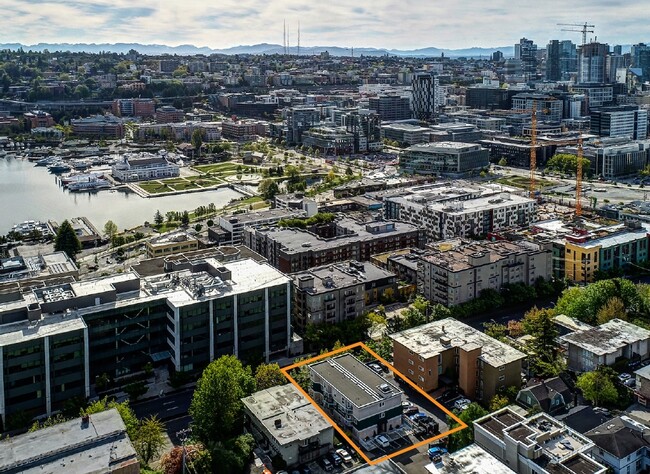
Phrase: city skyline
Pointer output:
(373, 24)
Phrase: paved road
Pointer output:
(168, 407)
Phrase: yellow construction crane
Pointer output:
(533, 144)
(584, 29)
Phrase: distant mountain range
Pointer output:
(263, 48)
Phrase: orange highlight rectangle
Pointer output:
(359, 451)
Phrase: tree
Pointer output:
(185, 218)
(158, 218)
(613, 308)
(197, 139)
(598, 387)
(66, 240)
(498, 402)
(348, 171)
(269, 375)
(268, 188)
(216, 407)
(110, 229)
(150, 439)
(125, 411)
(462, 438)
(503, 161)
(567, 163)
(539, 324)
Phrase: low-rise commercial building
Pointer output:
(538, 444)
(174, 242)
(329, 140)
(405, 133)
(97, 443)
(339, 292)
(444, 158)
(142, 168)
(244, 130)
(605, 345)
(295, 250)
(287, 425)
(450, 352)
(169, 114)
(357, 398)
(457, 271)
(41, 266)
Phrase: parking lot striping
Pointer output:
(461, 425)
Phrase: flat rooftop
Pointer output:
(357, 382)
(498, 421)
(298, 418)
(50, 325)
(71, 447)
(252, 217)
(297, 240)
(185, 287)
(472, 459)
(178, 236)
(341, 275)
(608, 337)
(443, 147)
(19, 268)
(434, 338)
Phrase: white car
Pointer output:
(382, 441)
(344, 455)
(461, 404)
(623, 377)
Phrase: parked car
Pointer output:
(449, 395)
(436, 451)
(406, 404)
(336, 459)
(382, 441)
(326, 464)
(623, 377)
(375, 367)
(344, 455)
(420, 418)
(461, 404)
(412, 410)
(631, 383)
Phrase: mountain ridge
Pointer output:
(260, 48)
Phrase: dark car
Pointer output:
(450, 395)
(336, 459)
(412, 410)
(326, 464)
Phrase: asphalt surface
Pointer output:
(167, 407)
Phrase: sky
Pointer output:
(390, 24)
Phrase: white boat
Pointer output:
(90, 185)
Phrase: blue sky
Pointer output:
(401, 24)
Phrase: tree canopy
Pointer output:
(462, 438)
(66, 240)
(567, 163)
(216, 407)
(598, 386)
(269, 375)
(539, 324)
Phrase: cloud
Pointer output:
(398, 24)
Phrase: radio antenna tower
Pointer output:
(284, 36)
(298, 38)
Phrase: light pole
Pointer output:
(183, 435)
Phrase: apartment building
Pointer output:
(444, 158)
(142, 168)
(605, 344)
(358, 399)
(169, 114)
(235, 224)
(455, 272)
(547, 108)
(286, 424)
(55, 339)
(391, 107)
(295, 250)
(244, 130)
(134, 107)
(339, 292)
(586, 253)
(539, 444)
(329, 140)
(469, 215)
(98, 126)
(449, 352)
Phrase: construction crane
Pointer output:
(584, 29)
(533, 144)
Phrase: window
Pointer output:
(502, 368)
(502, 378)
(421, 368)
(421, 378)
(411, 372)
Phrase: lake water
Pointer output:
(29, 192)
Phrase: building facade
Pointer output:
(144, 168)
(444, 158)
(358, 399)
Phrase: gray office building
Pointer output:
(444, 158)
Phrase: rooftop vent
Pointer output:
(278, 423)
(384, 387)
(445, 341)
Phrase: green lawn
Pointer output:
(523, 181)
(218, 167)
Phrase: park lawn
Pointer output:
(217, 167)
(184, 186)
(523, 181)
(154, 187)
